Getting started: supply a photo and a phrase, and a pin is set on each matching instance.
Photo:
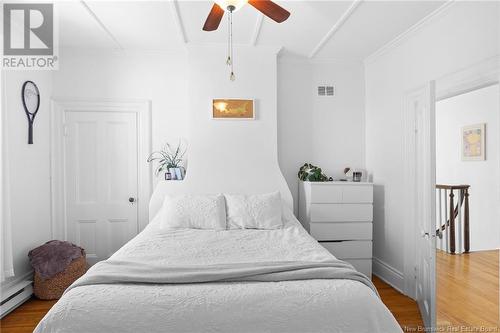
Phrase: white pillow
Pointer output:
(260, 211)
(194, 212)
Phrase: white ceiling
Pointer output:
(325, 29)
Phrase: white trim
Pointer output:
(288, 58)
(336, 27)
(83, 52)
(480, 75)
(5, 187)
(409, 227)
(58, 107)
(474, 77)
(256, 31)
(101, 24)
(388, 274)
(400, 39)
(174, 6)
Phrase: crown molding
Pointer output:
(111, 52)
(290, 58)
(394, 43)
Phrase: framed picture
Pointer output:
(223, 108)
(473, 142)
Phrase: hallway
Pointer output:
(467, 289)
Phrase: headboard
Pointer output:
(230, 156)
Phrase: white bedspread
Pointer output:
(317, 305)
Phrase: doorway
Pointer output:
(467, 216)
(100, 179)
(419, 285)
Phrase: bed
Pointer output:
(242, 280)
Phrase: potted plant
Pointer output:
(169, 161)
(311, 173)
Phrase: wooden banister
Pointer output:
(452, 223)
(466, 221)
(454, 211)
(452, 187)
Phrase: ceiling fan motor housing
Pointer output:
(231, 5)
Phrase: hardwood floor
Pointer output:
(404, 309)
(467, 290)
(27, 316)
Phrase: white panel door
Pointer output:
(425, 182)
(101, 180)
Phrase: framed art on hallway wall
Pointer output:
(473, 142)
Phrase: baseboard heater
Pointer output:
(14, 296)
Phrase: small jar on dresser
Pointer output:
(339, 215)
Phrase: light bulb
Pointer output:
(232, 77)
(237, 4)
(228, 61)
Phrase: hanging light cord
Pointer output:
(230, 59)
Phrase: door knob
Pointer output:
(131, 200)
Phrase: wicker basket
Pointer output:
(54, 287)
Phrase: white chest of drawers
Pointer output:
(339, 215)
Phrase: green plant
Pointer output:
(167, 157)
(312, 173)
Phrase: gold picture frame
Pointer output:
(233, 108)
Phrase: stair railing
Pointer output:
(452, 221)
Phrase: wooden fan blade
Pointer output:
(270, 9)
(214, 18)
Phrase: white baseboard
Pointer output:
(388, 274)
(16, 292)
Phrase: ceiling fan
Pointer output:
(266, 7)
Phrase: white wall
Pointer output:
(479, 106)
(465, 34)
(158, 77)
(338, 130)
(325, 131)
(295, 120)
(225, 155)
(28, 165)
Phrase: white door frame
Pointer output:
(142, 109)
(480, 75)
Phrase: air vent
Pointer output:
(325, 91)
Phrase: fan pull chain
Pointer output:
(228, 61)
(232, 77)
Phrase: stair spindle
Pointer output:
(466, 222)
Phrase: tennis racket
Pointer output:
(31, 103)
